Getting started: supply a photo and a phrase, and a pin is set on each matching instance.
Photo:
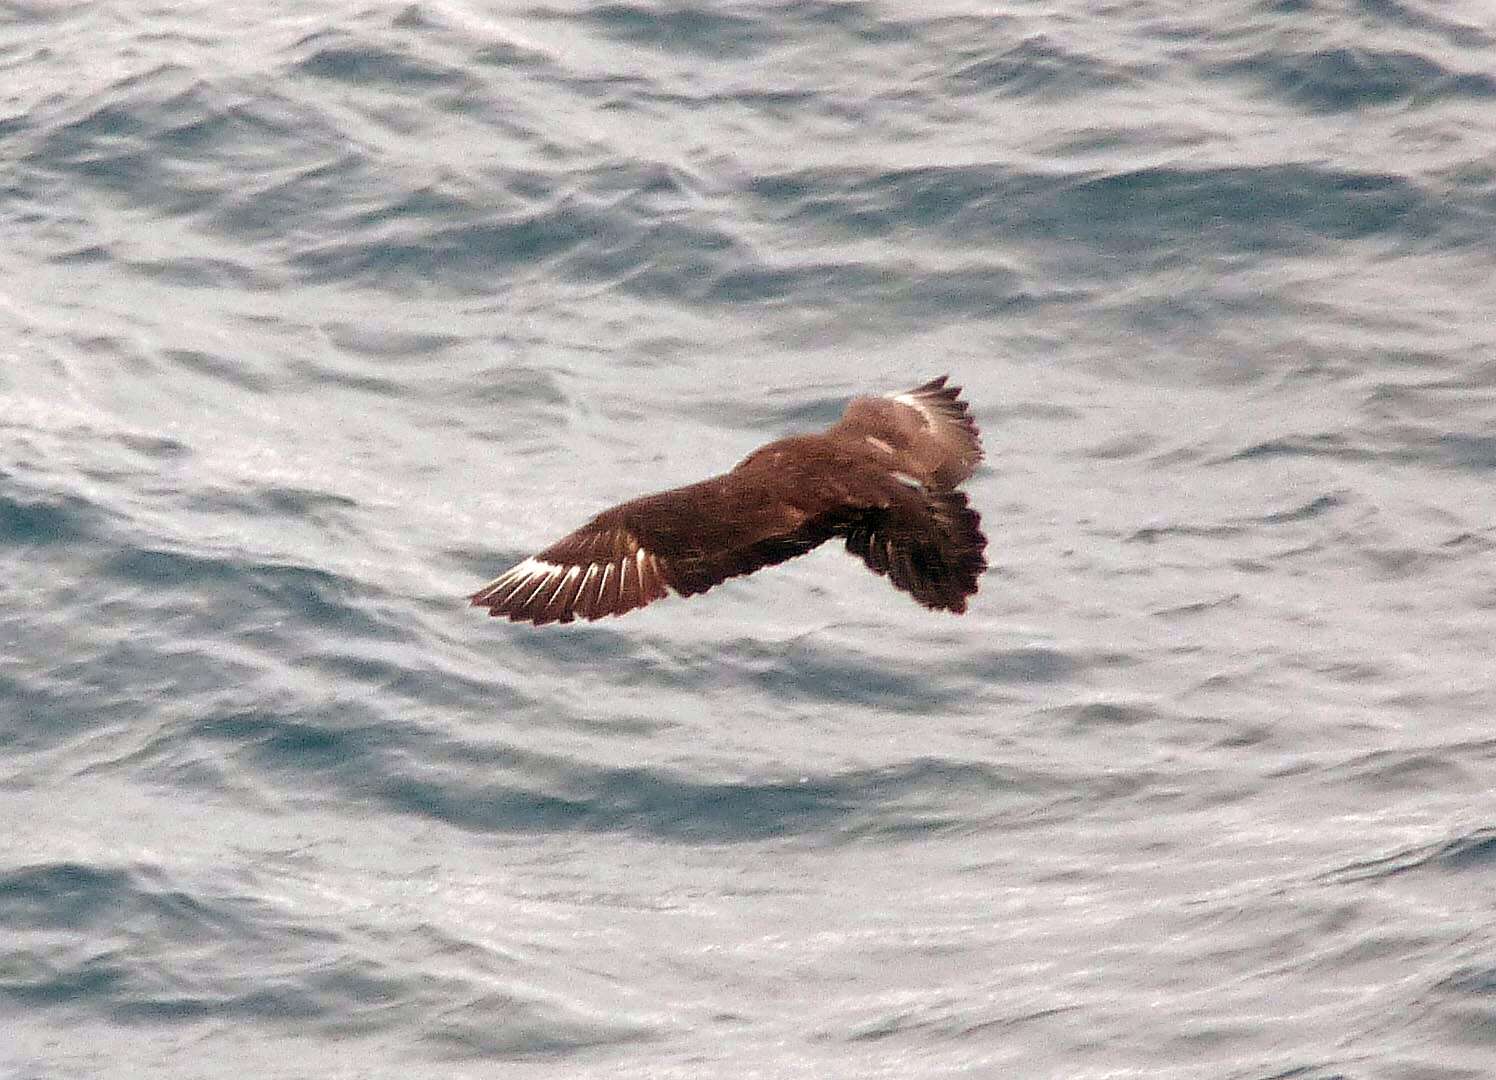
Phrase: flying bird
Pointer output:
(883, 478)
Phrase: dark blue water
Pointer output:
(313, 318)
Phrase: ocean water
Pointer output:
(313, 318)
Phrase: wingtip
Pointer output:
(542, 590)
(938, 391)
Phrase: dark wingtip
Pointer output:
(938, 392)
(932, 386)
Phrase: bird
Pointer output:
(883, 478)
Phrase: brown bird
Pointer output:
(883, 477)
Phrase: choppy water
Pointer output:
(314, 317)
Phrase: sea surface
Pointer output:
(315, 317)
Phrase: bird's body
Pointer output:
(883, 478)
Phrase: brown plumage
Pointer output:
(883, 478)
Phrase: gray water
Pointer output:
(313, 318)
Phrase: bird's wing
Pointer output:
(929, 543)
(686, 540)
(595, 571)
(951, 428)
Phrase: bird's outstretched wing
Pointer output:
(685, 540)
(930, 544)
(927, 433)
(951, 427)
(591, 573)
